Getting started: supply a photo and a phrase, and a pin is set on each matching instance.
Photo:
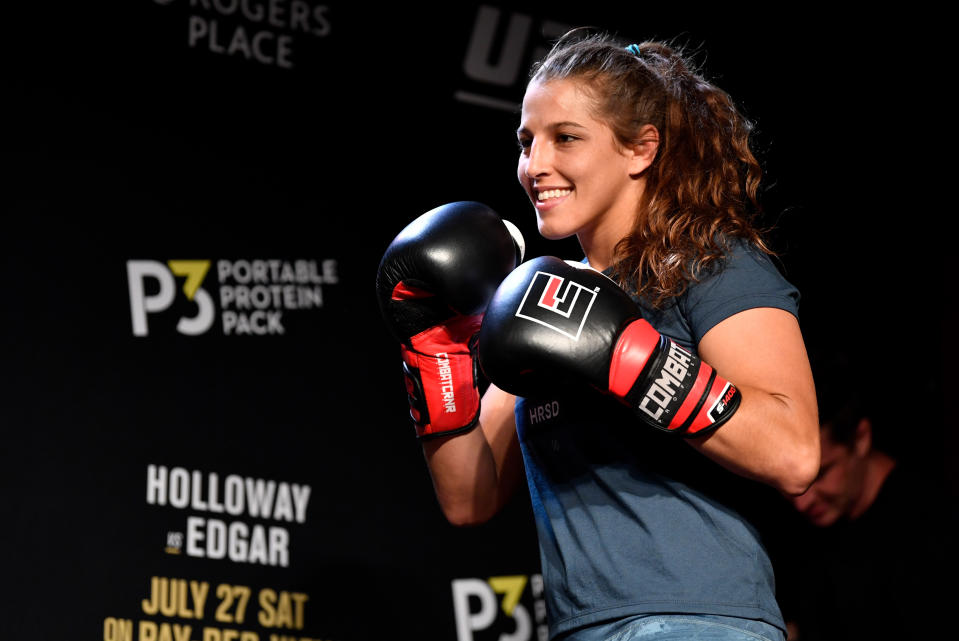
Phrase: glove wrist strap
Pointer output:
(668, 386)
(442, 392)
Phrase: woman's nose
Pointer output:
(539, 162)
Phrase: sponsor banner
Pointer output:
(243, 298)
(222, 514)
(504, 608)
(500, 49)
(264, 32)
(225, 518)
(189, 609)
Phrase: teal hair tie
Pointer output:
(633, 49)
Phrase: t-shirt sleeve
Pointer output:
(748, 279)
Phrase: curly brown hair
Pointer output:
(702, 187)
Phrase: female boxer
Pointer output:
(641, 533)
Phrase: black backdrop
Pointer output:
(281, 145)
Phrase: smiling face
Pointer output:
(579, 177)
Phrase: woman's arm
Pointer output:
(474, 474)
(774, 435)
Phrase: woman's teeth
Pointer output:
(552, 193)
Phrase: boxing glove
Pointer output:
(433, 284)
(552, 321)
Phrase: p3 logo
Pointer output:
(142, 303)
(502, 610)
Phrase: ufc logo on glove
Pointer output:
(557, 303)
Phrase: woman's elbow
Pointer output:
(466, 513)
(801, 468)
(466, 518)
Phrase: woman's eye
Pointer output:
(524, 143)
(562, 138)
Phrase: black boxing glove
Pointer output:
(433, 285)
(550, 321)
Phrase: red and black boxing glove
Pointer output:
(551, 321)
(433, 285)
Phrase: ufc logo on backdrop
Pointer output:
(557, 303)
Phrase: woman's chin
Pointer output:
(552, 232)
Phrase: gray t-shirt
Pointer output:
(632, 520)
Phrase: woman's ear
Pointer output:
(643, 151)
